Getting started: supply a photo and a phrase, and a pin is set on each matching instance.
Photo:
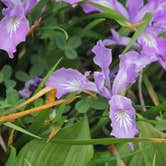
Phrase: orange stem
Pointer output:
(30, 111)
(39, 94)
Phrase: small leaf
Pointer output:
(22, 76)
(10, 84)
(7, 72)
(60, 41)
(12, 96)
(82, 106)
(98, 103)
(74, 42)
(70, 53)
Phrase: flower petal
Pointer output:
(131, 64)
(133, 7)
(99, 81)
(14, 28)
(122, 115)
(103, 59)
(68, 81)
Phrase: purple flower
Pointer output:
(30, 87)
(122, 115)
(103, 59)
(14, 26)
(68, 81)
(116, 39)
(152, 44)
(131, 64)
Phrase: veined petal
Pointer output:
(90, 8)
(29, 5)
(14, 28)
(103, 59)
(100, 83)
(131, 64)
(148, 40)
(133, 7)
(68, 81)
(122, 115)
(116, 39)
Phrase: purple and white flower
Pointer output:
(122, 113)
(14, 26)
(69, 80)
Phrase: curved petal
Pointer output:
(131, 64)
(29, 5)
(103, 59)
(133, 7)
(99, 81)
(68, 81)
(122, 115)
(116, 39)
(14, 28)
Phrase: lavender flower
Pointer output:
(14, 26)
(116, 39)
(68, 81)
(131, 64)
(122, 112)
(30, 87)
(122, 115)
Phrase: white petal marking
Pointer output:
(72, 85)
(12, 25)
(123, 119)
(149, 40)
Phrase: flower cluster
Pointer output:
(14, 26)
(150, 41)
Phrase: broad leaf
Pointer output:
(40, 153)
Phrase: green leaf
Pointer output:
(152, 112)
(98, 103)
(10, 83)
(18, 128)
(22, 76)
(82, 106)
(112, 14)
(55, 154)
(140, 29)
(48, 75)
(150, 150)
(11, 157)
(12, 96)
(60, 41)
(36, 11)
(91, 25)
(150, 89)
(74, 42)
(1, 77)
(7, 72)
(70, 53)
